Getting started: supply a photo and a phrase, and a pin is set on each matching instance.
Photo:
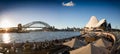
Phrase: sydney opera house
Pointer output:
(96, 25)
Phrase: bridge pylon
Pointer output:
(19, 27)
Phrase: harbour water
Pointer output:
(34, 36)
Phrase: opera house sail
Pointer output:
(94, 24)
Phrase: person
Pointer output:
(27, 46)
(12, 50)
(34, 46)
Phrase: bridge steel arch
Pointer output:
(36, 22)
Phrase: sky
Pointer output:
(59, 13)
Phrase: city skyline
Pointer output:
(58, 13)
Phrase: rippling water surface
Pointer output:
(34, 36)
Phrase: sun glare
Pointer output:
(6, 38)
(5, 23)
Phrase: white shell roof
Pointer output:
(92, 22)
(100, 22)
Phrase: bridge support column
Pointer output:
(19, 27)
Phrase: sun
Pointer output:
(5, 23)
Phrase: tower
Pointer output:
(19, 27)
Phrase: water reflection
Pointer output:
(36, 36)
(6, 38)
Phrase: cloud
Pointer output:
(69, 4)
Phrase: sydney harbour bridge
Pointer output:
(40, 24)
(28, 25)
